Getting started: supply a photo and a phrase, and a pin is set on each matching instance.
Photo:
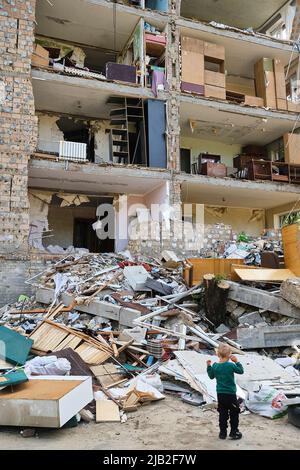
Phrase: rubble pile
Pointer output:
(116, 331)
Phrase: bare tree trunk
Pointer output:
(215, 295)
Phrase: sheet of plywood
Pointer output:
(40, 389)
(107, 411)
(265, 274)
(265, 82)
(214, 78)
(192, 61)
(291, 148)
(245, 86)
(291, 247)
(279, 79)
(201, 266)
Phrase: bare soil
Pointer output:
(166, 425)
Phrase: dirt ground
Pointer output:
(165, 425)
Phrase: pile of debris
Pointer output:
(112, 332)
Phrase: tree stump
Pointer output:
(215, 296)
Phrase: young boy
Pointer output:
(223, 372)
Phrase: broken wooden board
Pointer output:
(50, 337)
(291, 247)
(265, 275)
(47, 401)
(262, 299)
(107, 375)
(107, 411)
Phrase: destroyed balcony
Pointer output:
(211, 68)
(129, 130)
(272, 17)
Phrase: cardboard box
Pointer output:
(45, 401)
(265, 82)
(214, 78)
(192, 61)
(214, 51)
(40, 56)
(282, 104)
(292, 148)
(254, 101)
(214, 92)
(279, 79)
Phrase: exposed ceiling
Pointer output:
(230, 128)
(203, 193)
(239, 13)
(91, 180)
(85, 23)
(78, 96)
(240, 56)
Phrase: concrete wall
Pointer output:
(49, 133)
(197, 146)
(237, 218)
(102, 153)
(61, 222)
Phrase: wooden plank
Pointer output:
(291, 148)
(201, 266)
(291, 247)
(279, 79)
(265, 274)
(192, 60)
(214, 78)
(107, 411)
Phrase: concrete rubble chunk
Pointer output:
(231, 305)
(290, 291)
(250, 318)
(238, 312)
(268, 336)
(262, 299)
(136, 276)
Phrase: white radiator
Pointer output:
(75, 151)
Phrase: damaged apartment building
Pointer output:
(138, 104)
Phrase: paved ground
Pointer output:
(168, 424)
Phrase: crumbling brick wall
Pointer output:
(18, 123)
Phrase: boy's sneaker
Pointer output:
(222, 435)
(235, 435)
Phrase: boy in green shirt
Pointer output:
(223, 371)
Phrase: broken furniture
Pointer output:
(50, 336)
(202, 68)
(196, 268)
(291, 247)
(209, 165)
(14, 348)
(127, 112)
(40, 56)
(45, 401)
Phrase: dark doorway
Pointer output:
(185, 160)
(85, 237)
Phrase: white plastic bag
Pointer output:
(48, 365)
(267, 401)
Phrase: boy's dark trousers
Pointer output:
(228, 407)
